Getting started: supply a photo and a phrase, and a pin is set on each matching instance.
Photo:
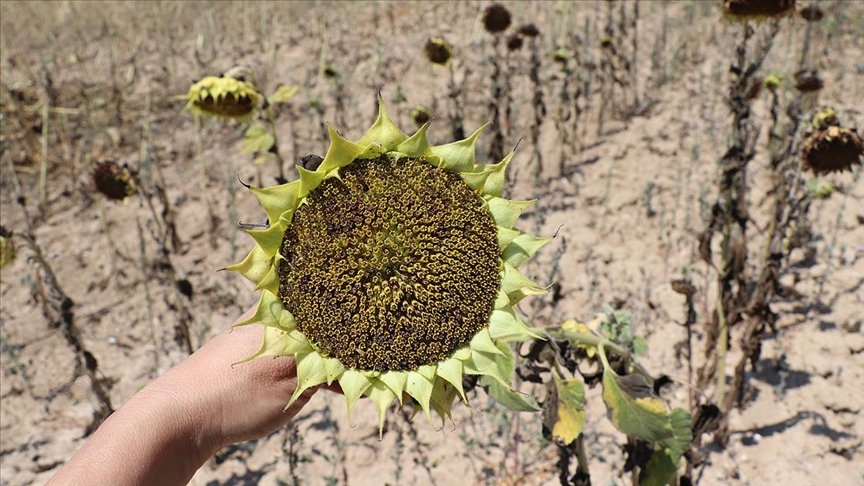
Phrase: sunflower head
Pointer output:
(116, 182)
(438, 51)
(496, 18)
(825, 118)
(757, 9)
(808, 81)
(529, 30)
(231, 95)
(561, 56)
(833, 149)
(421, 115)
(7, 247)
(811, 13)
(392, 270)
(771, 82)
(514, 42)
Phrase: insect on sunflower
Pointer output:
(392, 269)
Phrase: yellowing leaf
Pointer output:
(571, 410)
(283, 94)
(574, 326)
(633, 408)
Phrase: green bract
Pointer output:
(392, 270)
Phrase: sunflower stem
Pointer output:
(274, 149)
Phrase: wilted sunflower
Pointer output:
(811, 13)
(392, 270)
(757, 9)
(232, 95)
(529, 30)
(824, 118)
(421, 115)
(808, 80)
(438, 51)
(833, 149)
(771, 82)
(116, 182)
(496, 18)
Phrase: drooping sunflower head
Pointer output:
(833, 149)
(811, 13)
(438, 51)
(114, 181)
(772, 82)
(392, 270)
(529, 30)
(757, 9)
(825, 118)
(496, 18)
(421, 115)
(231, 95)
(515, 42)
(808, 81)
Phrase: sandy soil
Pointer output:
(627, 213)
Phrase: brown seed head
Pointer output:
(529, 30)
(811, 13)
(116, 182)
(834, 149)
(514, 42)
(390, 266)
(438, 51)
(421, 115)
(808, 80)
(757, 8)
(496, 18)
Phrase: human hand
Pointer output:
(165, 432)
(237, 402)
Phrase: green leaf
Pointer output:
(661, 468)
(635, 410)
(283, 94)
(639, 346)
(257, 139)
(570, 408)
(666, 458)
(682, 432)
